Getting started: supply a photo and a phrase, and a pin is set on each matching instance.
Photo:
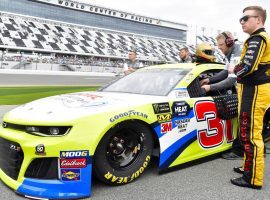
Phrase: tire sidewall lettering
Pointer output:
(121, 180)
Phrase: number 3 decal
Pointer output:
(211, 129)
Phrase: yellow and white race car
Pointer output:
(49, 148)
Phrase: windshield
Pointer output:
(148, 81)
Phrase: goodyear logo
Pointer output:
(164, 117)
(74, 154)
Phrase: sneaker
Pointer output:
(231, 156)
(243, 183)
(238, 170)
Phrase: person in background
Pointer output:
(205, 53)
(253, 86)
(133, 63)
(184, 55)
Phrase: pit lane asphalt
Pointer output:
(209, 180)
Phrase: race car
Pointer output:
(50, 148)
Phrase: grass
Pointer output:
(21, 95)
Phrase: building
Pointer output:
(72, 28)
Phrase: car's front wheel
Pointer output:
(123, 153)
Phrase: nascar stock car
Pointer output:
(51, 147)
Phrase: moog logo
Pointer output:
(74, 154)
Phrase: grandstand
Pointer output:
(71, 33)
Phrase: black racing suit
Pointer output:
(253, 78)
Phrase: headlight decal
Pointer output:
(39, 130)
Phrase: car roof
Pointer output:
(188, 66)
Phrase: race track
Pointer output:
(52, 79)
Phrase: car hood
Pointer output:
(68, 107)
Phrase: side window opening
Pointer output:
(225, 99)
(195, 90)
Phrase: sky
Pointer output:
(214, 15)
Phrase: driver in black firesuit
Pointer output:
(253, 78)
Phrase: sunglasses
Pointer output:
(245, 18)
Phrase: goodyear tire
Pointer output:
(123, 154)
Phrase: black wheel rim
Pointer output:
(124, 147)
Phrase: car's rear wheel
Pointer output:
(123, 153)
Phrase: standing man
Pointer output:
(253, 78)
(184, 55)
(133, 64)
(222, 80)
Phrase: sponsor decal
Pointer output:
(164, 117)
(70, 174)
(73, 163)
(253, 42)
(250, 51)
(180, 108)
(120, 180)
(161, 107)
(166, 127)
(267, 72)
(182, 124)
(248, 149)
(40, 149)
(82, 100)
(249, 57)
(181, 94)
(13, 147)
(246, 61)
(91, 96)
(4, 125)
(252, 46)
(128, 114)
(190, 77)
(74, 154)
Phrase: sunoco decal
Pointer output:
(70, 174)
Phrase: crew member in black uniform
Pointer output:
(253, 78)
